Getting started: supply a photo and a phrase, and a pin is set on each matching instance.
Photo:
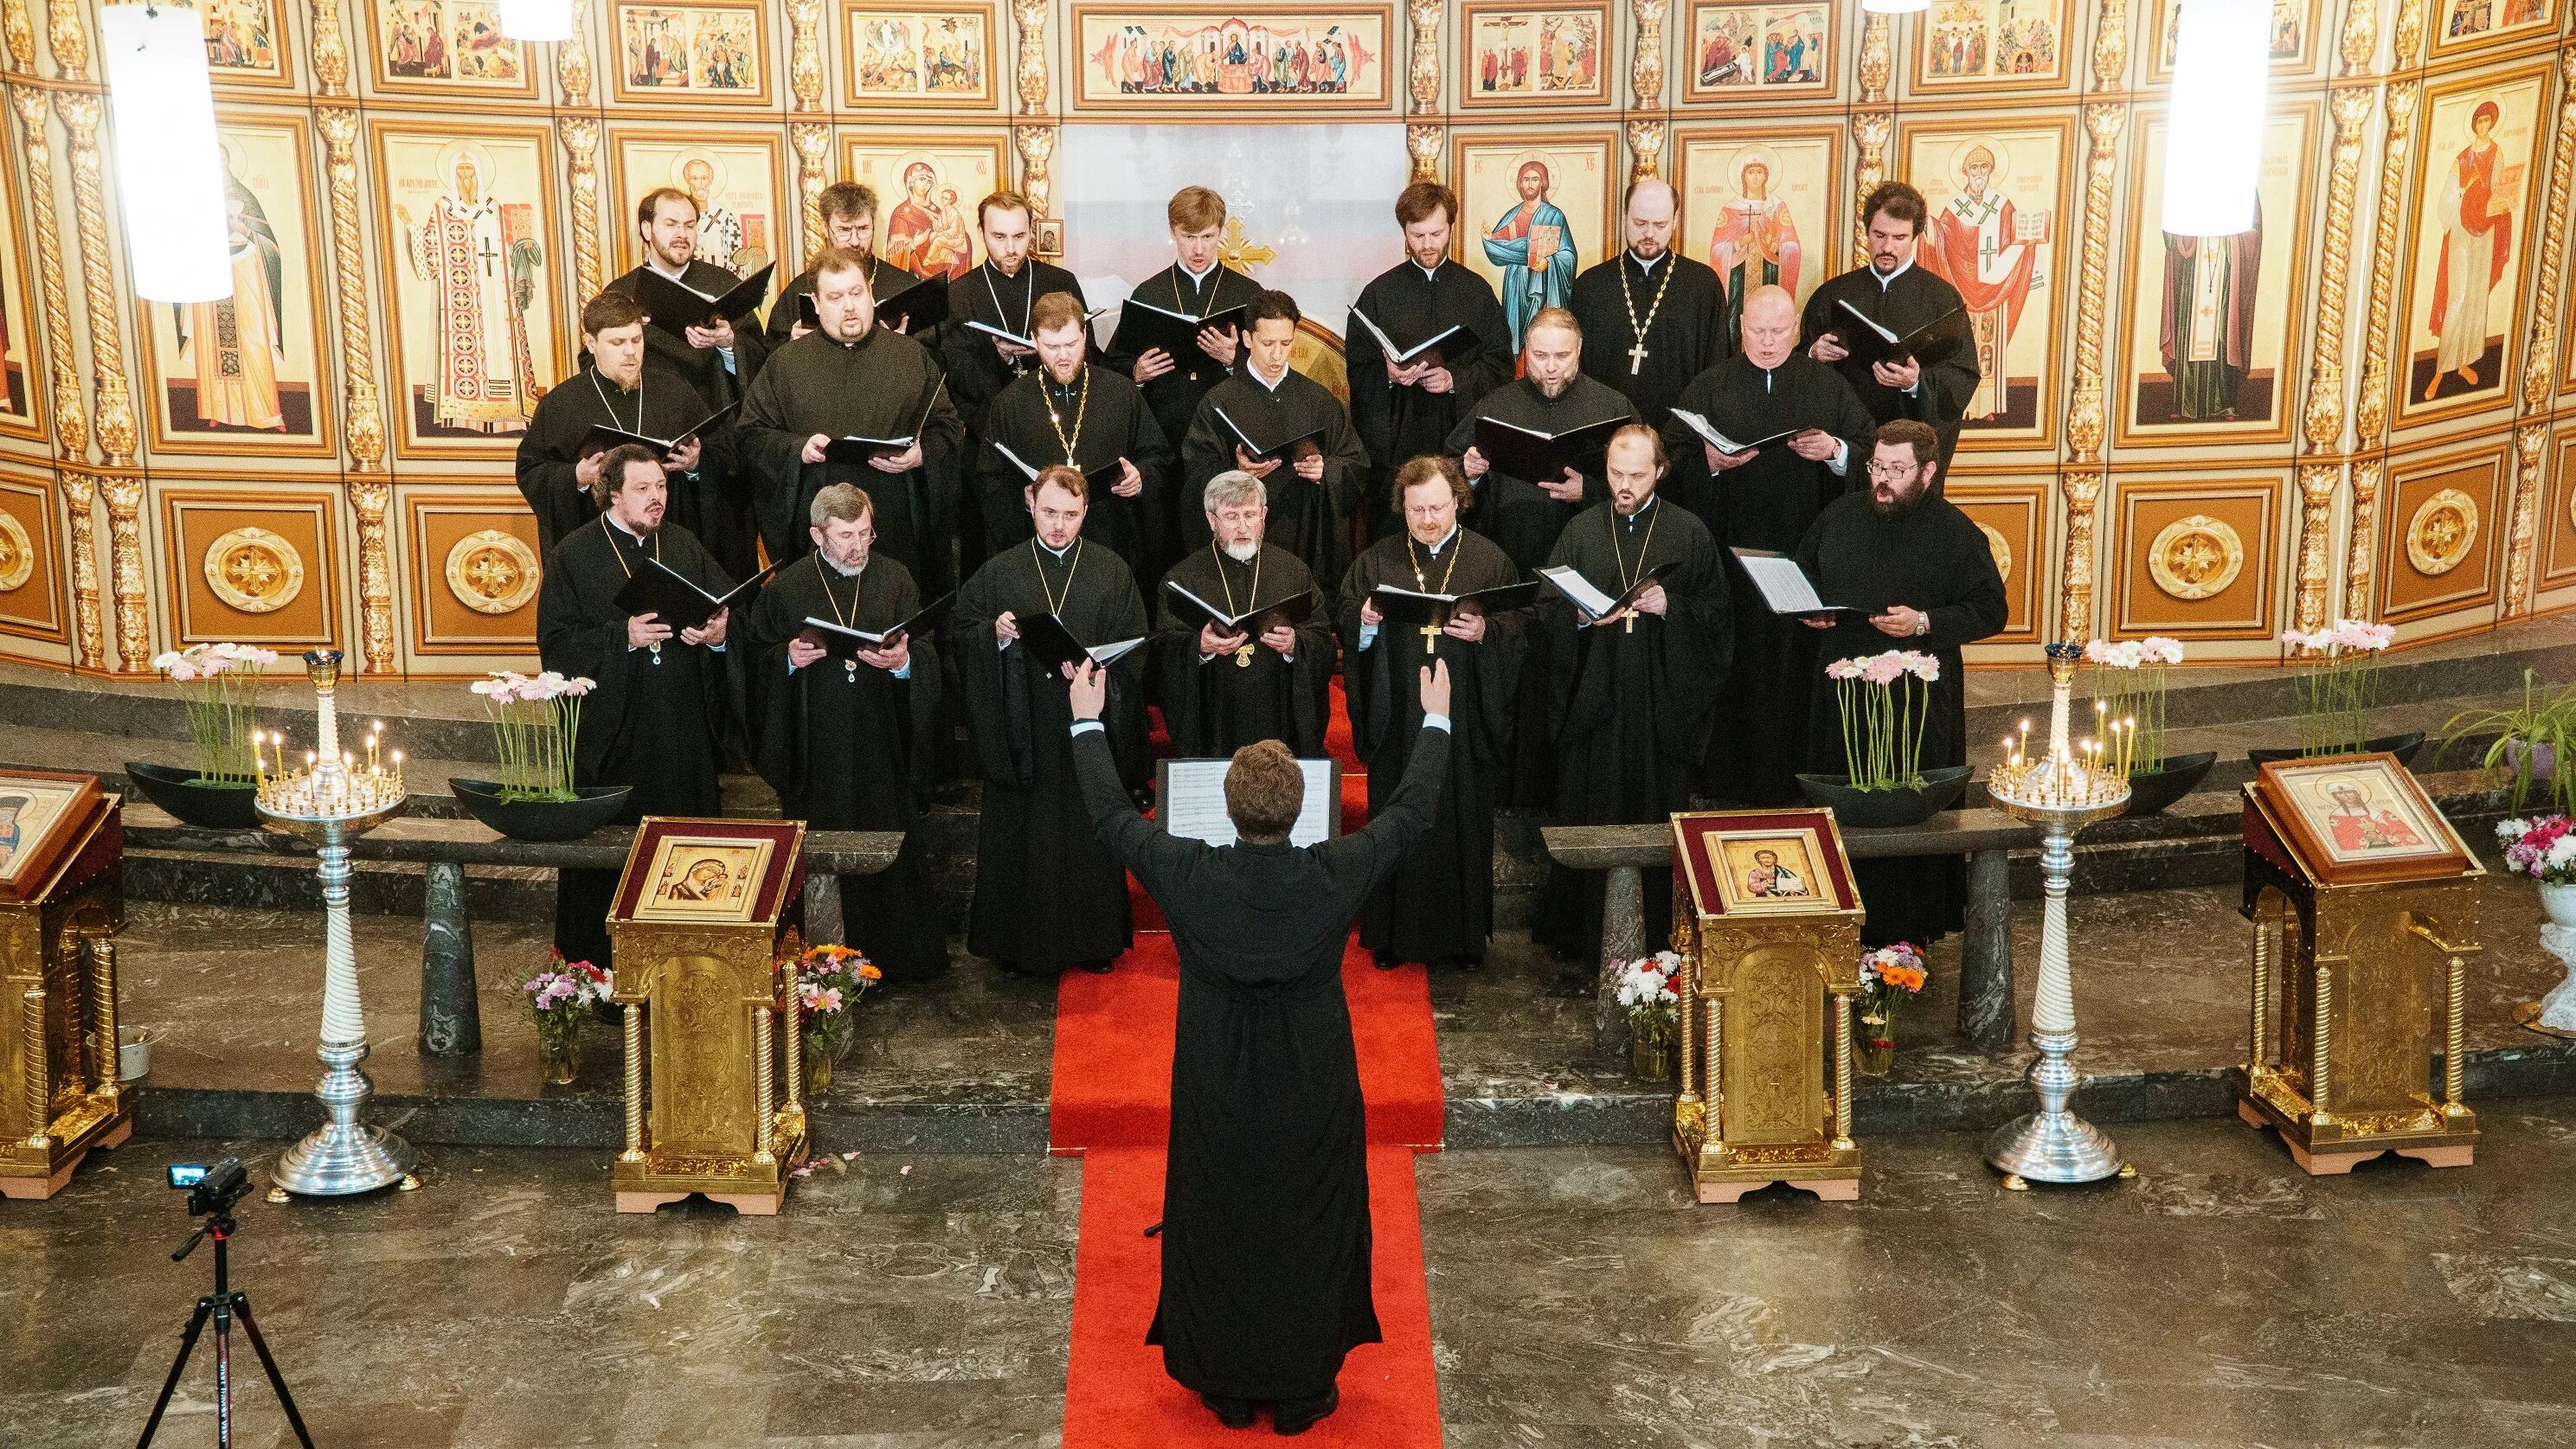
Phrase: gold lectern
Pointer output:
(1767, 923)
(697, 926)
(2361, 896)
(62, 896)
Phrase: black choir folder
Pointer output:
(675, 308)
(840, 641)
(1291, 611)
(1786, 588)
(1142, 327)
(1440, 349)
(1108, 475)
(1595, 604)
(1055, 647)
(1292, 450)
(856, 448)
(658, 589)
(1722, 442)
(1413, 609)
(1867, 341)
(1527, 453)
(917, 308)
(602, 437)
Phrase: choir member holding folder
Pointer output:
(1426, 340)
(850, 223)
(1897, 332)
(656, 717)
(1286, 429)
(693, 304)
(1532, 447)
(1087, 417)
(1181, 331)
(1245, 647)
(613, 401)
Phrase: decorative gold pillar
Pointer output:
(1646, 78)
(2325, 408)
(813, 143)
(1036, 145)
(70, 43)
(1424, 140)
(348, 269)
(1034, 140)
(2358, 566)
(2406, 46)
(114, 418)
(17, 37)
(581, 149)
(133, 595)
(2317, 485)
(2540, 356)
(2370, 399)
(805, 53)
(1870, 127)
(80, 510)
(2082, 490)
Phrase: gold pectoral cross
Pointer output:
(1629, 625)
(1637, 358)
(1430, 639)
(1243, 657)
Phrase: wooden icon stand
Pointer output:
(62, 899)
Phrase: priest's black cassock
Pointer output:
(1632, 701)
(1048, 894)
(1755, 748)
(1216, 706)
(1266, 1240)
(1681, 306)
(655, 719)
(1400, 423)
(704, 368)
(977, 373)
(1932, 558)
(1900, 304)
(1439, 905)
(882, 386)
(1174, 397)
(1104, 419)
(658, 407)
(1513, 512)
(836, 739)
(1305, 518)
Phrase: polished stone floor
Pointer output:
(1578, 1300)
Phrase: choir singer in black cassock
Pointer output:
(1525, 515)
(1197, 284)
(557, 473)
(1652, 318)
(849, 223)
(845, 742)
(1925, 570)
(1634, 691)
(712, 356)
(1266, 1240)
(1404, 410)
(1001, 293)
(855, 379)
(1439, 906)
(1219, 690)
(1271, 401)
(657, 714)
(1934, 385)
(1048, 894)
(1764, 498)
(1071, 412)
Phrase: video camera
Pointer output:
(212, 1191)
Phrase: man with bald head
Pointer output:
(1764, 497)
(1524, 515)
(1652, 319)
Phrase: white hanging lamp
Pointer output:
(2214, 139)
(1895, 7)
(536, 19)
(169, 168)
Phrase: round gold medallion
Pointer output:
(492, 572)
(17, 554)
(2440, 534)
(2195, 557)
(254, 570)
(2002, 550)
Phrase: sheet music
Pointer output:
(1785, 586)
(1193, 803)
(1708, 430)
(1577, 588)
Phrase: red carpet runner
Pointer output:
(1112, 1106)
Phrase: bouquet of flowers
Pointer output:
(222, 680)
(2336, 686)
(2129, 685)
(1647, 988)
(535, 719)
(2540, 847)
(1886, 702)
(562, 992)
(830, 979)
(1889, 977)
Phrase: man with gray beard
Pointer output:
(1269, 679)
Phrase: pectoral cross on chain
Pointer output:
(1637, 357)
(1430, 639)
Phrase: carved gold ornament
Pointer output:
(254, 570)
(2195, 557)
(2438, 537)
(2001, 548)
(17, 555)
(492, 572)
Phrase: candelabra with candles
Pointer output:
(2076, 783)
(331, 799)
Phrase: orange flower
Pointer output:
(868, 972)
(1908, 978)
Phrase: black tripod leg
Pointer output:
(179, 1365)
(276, 1380)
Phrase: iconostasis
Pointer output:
(2353, 410)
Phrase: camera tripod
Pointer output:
(222, 1305)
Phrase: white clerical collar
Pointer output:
(1198, 279)
(1434, 549)
(622, 528)
(1269, 384)
(654, 261)
(1429, 274)
(1642, 510)
(1058, 552)
(1646, 264)
(1889, 280)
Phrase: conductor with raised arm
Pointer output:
(1265, 1237)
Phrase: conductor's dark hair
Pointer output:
(1432, 467)
(1906, 432)
(1054, 312)
(613, 469)
(848, 201)
(1417, 201)
(1264, 789)
(609, 311)
(653, 199)
(1654, 441)
(1268, 306)
(1898, 201)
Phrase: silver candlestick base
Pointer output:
(2053, 1144)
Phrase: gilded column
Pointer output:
(2540, 354)
(80, 509)
(2317, 485)
(2325, 408)
(114, 416)
(348, 269)
(2358, 566)
(1646, 78)
(581, 147)
(1034, 140)
(2531, 456)
(813, 143)
(1424, 140)
(1870, 126)
(2360, 37)
(125, 571)
(69, 41)
(330, 50)
(805, 53)
(1036, 145)
(2370, 398)
(2406, 45)
(18, 37)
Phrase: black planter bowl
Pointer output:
(541, 820)
(2402, 746)
(2153, 790)
(209, 807)
(1872, 809)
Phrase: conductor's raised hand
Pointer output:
(1435, 687)
(1090, 690)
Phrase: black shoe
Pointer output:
(1386, 960)
(1232, 1413)
(1099, 967)
(1296, 1416)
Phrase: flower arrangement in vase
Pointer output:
(1886, 705)
(536, 731)
(830, 979)
(2339, 677)
(1647, 988)
(2529, 743)
(561, 993)
(219, 683)
(2129, 692)
(1889, 977)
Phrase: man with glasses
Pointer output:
(1932, 385)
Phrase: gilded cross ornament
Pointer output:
(1239, 251)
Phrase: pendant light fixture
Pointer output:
(169, 168)
(2214, 140)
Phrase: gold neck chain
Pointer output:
(1457, 544)
(1628, 580)
(1628, 305)
(611, 408)
(1228, 584)
(619, 553)
(1055, 604)
(1081, 408)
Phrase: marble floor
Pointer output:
(2222, 1299)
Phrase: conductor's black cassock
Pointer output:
(1265, 1192)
